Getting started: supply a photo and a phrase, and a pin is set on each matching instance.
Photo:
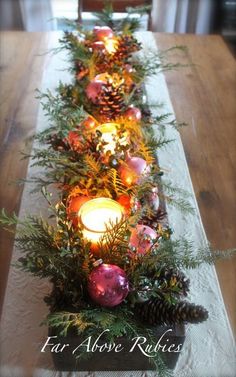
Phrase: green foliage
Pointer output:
(128, 24)
(58, 251)
(163, 121)
(155, 62)
(62, 117)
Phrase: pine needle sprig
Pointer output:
(113, 245)
(182, 253)
(128, 24)
(156, 62)
(114, 182)
(92, 164)
(62, 117)
(164, 121)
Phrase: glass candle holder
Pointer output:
(109, 136)
(97, 216)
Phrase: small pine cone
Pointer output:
(158, 311)
(146, 112)
(171, 277)
(111, 101)
(127, 45)
(154, 219)
(57, 143)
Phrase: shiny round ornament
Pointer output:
(129, 203)
(125, 201)
(132, 171)
(108, 285)
(90, 123)
(93, 90)
(74, 140)
(141, 239)
(133, 114)
(103, 32)
(73, 207)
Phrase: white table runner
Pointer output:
(209, 349)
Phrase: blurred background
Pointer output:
(179, 16)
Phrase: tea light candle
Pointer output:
(96, 217)
(109, 135)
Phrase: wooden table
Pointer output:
(203, 95)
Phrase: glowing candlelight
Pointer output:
(111, 45)
(96, 217)
(109, 136)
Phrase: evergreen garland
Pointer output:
(75, 158)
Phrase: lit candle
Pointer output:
(97, 216)
(109, 136)
(111, 45)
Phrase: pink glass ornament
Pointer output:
(103, 32)
(93, 90)
(133, 113)
(132, 170)
(142, 238)
(108, 285)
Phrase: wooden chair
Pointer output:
(118, 6)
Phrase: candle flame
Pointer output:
(111, 45)
(97, 216)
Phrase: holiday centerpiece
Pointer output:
(116, 273)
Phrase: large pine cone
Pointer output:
(160, 312)
(111, 101)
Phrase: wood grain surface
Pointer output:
(21, 70)
(203, 95)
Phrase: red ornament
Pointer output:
(103, 32)
(73, 208)
(90, 123)
(129, 203)
(125, 201)
(108, 285)
(132, 170)
(133, 114)
(142, 238)
(74, 140)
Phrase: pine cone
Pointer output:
(57, 143)
(157, 311)
(111, 101)
(171, 277)
(155, 219)
(127, 45)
